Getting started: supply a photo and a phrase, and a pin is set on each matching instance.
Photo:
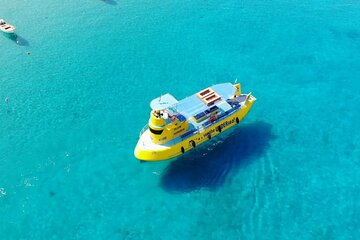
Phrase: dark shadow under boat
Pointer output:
(17, 39)
(208, 166)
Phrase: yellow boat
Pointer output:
(176, 127)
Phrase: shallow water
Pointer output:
(79, 77)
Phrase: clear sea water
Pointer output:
(78, 101)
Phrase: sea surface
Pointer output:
(78, 78)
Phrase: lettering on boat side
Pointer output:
(179, 131)
(223, 125)
(209, 132)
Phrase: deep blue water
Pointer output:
(79, 77)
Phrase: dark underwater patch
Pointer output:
(209, 169)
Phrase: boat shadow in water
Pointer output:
(210, 165)
(17, 39)
(110, 2)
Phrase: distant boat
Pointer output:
(6, 27)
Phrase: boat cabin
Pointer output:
(171, 118)
(166, 123)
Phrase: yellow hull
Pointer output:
(145, 153)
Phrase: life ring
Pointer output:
(182, 150)
(237, 120)
(173, 118)
(192, 143)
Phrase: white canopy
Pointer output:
(163, 102)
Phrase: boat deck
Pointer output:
(6, 27)
(193, 105)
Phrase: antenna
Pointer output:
(235, 81)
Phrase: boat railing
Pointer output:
(146, 127)
(200, 129)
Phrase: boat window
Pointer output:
(157, 132)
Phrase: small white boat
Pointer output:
(6, 27)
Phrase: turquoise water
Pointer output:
(78, 101)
